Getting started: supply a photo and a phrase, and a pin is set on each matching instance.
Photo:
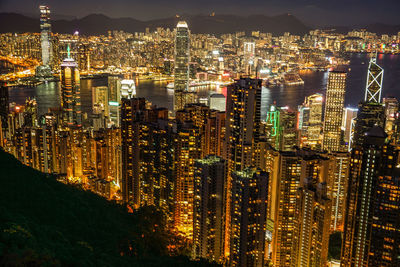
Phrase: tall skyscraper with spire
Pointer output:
(333, 110)
(45, 34)
(45, 40)
(182, 95)
(70, 93)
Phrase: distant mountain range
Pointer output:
(100, 24)
(379, 28)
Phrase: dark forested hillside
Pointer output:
(45, 222)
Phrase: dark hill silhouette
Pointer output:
(45, 222)
(96, 24)
(101, 24)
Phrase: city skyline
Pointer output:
(179, 134)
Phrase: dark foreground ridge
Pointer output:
(45, 222)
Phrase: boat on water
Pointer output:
(272, 82)
(293, 79)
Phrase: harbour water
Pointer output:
(48, 94)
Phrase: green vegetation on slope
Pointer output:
(44, 223)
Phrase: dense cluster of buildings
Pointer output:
(245, 191)
(275, 58)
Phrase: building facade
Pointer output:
(71, 93)
(182, 96)
(209, 208)
(334, 110)
(248, 217)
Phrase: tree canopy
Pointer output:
(47, 223)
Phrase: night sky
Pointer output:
(312, 12)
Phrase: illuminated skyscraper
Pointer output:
(114, 88)
(187, 150)
(288, 134)
(281, 128)
(372, 169)
(385, 233)
(197, 114)
(100, 98)
(98, 117)
(215, 133)
(243, 121)
(248, 217)
(304, 116)
(293, 167)
(310, 120)
(70, 93)
(249, 63)
(30, 113)
(131, 114)
(181, 71)
(45, 34)
(339, 176)
(334, 110)
(200, 133)
(273, 127)
(163, 170)
(211, 125)
(391, 108)
(349, 115)
(46, 43)
(370, 112)
(114, 98)
(373, 88)
(209, 205)
(313, 220)
(83, 57)
(182, 98)
(143, 162)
